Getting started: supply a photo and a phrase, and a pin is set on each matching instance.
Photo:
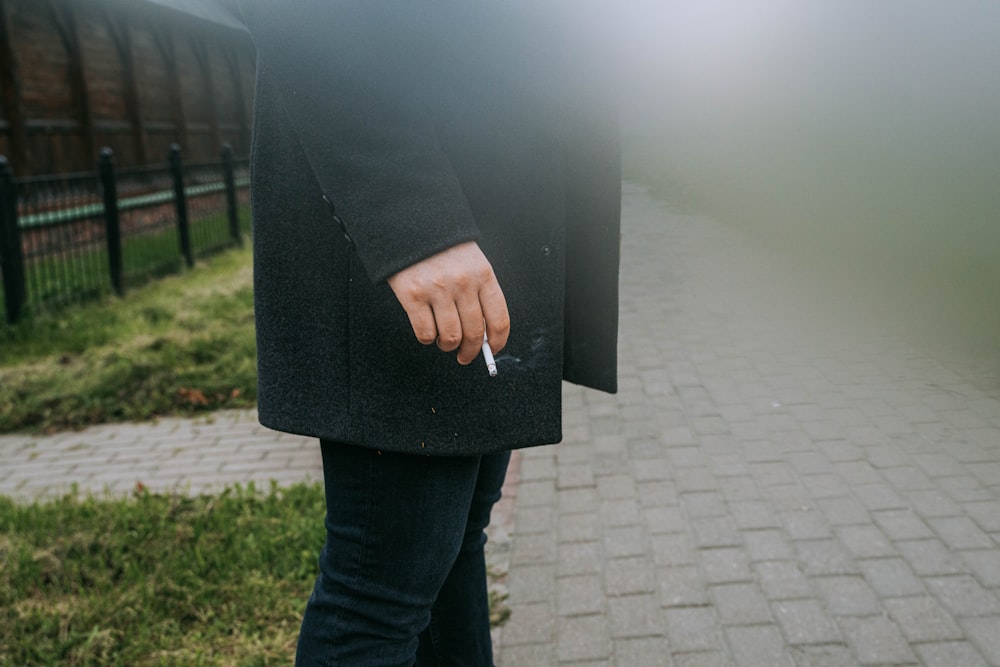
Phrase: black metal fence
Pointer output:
(73, 237)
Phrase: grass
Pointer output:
(158, 580)
(161, 580)
(82, 274)
(180, 346)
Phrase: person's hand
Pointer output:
(453, 298)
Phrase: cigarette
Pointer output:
(491, 364)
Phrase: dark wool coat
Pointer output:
(384, 133)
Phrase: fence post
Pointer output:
(11, 253)
(231, 212)
(183, 229)
(112, 226)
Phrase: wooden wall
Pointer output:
(77, 75)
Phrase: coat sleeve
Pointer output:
(356, 79)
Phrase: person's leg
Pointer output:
(459, 632)
(395, 526)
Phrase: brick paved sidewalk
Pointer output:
(774, 485)
(192, 455)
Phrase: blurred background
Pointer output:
(859, 139)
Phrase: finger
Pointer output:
(473, 329)
(449, 325)
(423, 322)
(494, 308)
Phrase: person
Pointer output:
(424, 174)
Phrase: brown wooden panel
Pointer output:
(192, 87)
(151, 74)
(42, 60)
(104, 73)
(227, 105)
(55, 152)
(121, 141)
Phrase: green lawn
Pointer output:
(83, 274)
(158, 580)
(181, 345)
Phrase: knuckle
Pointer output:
(474, 334)
(449, 341)
(425, 336)
(502, 325)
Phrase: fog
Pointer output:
(859, 138)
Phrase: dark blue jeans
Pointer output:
(402, 575)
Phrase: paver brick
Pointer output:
(806, 622)
(696, 479)
(907, 479)
(824, 558)
(540, 493)
(865, 541)
(531, 655)
(579, 595)
(740, 489)
(703, 659)
(535, 520)
(922, 619)
(533, 583)
(642, 652)
(623, 541)
(879, 497)
(764, 545)
(725, 566)
(902, 525)
(610, 464)
(704, 504)
(843, 511)
(984, 565)
(645, 466)
(673, 549)
(636, 616)
(986, 514)
(628, 576)
(806, 523)
(964, 596)
(982, 632)
(693, 629)
(573, 501)
(891, 577)
(966, 489)
(740, 604)
(579, 558)
(682, 586)
(758, 646)
(826, 655)
(534, 548)
(581, 638)
(532, 623)
(619, 513)
(950, 654)
(664, 520)
(715, 532)
(876, 640)
(961, 533)
(848, 596)
(575, 475)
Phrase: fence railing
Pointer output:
(72, 237)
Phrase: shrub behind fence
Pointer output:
(72, 237)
